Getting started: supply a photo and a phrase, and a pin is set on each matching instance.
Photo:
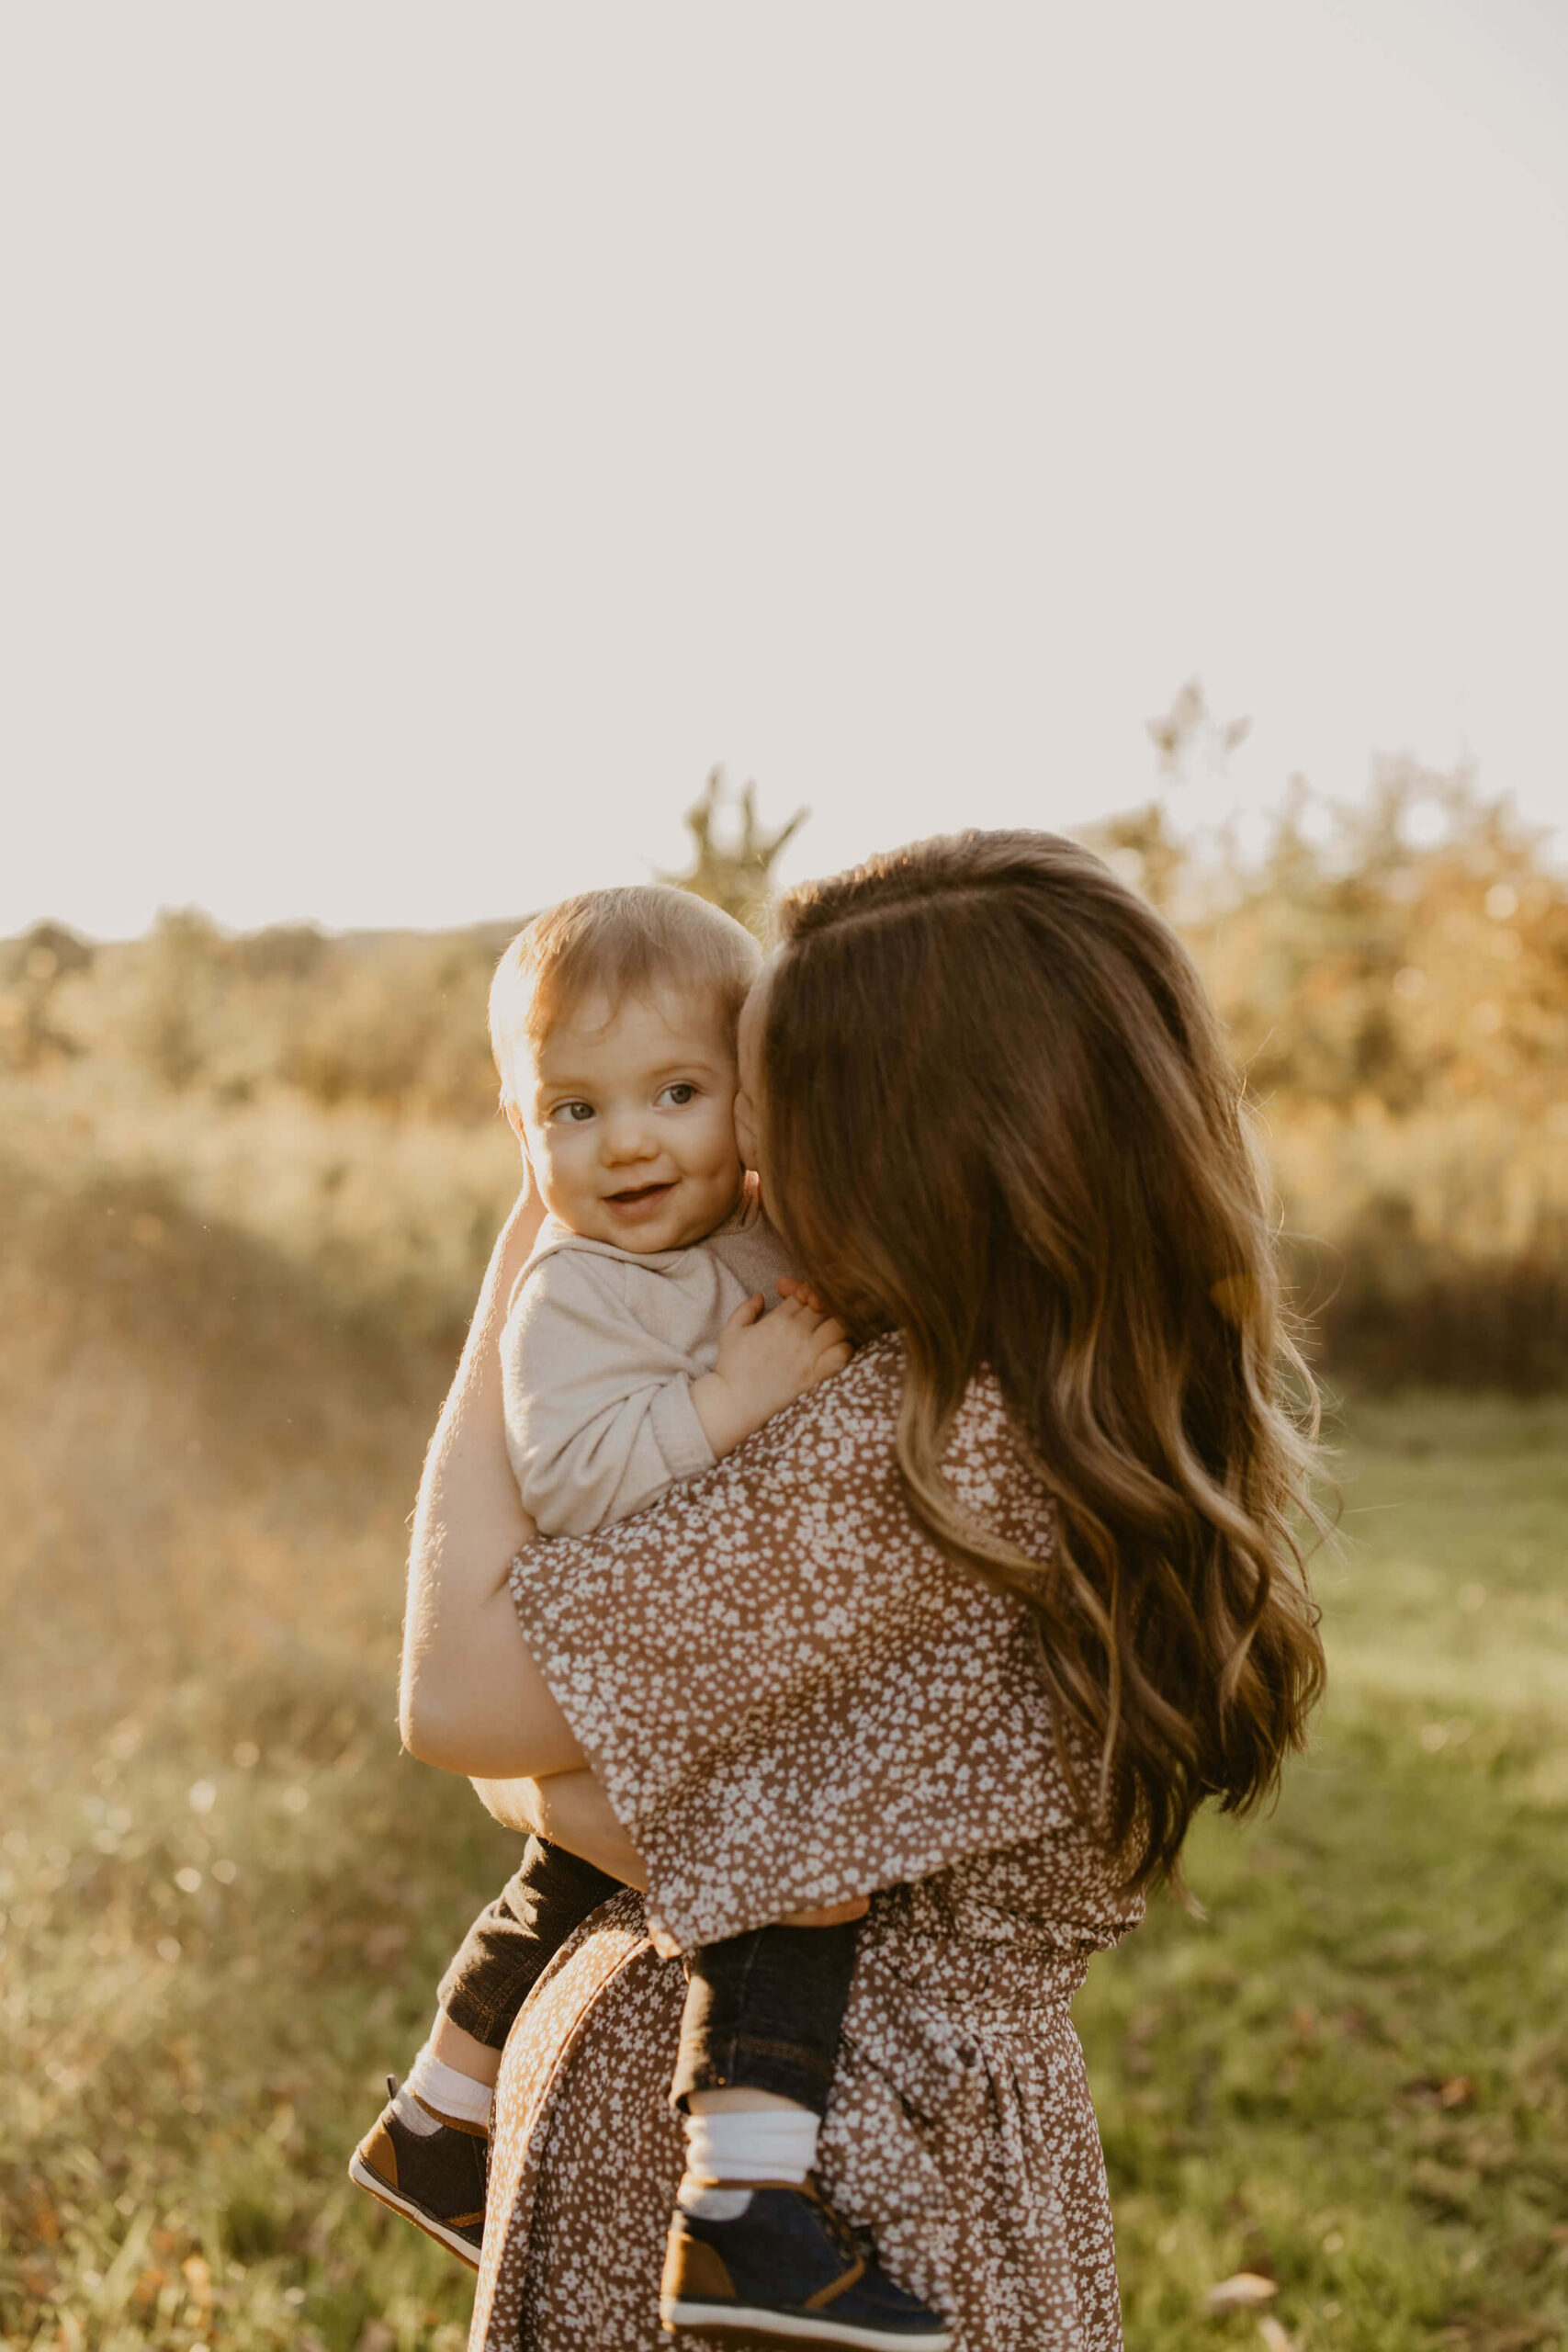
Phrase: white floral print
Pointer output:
(793, 1696)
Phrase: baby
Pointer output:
(654, 1327)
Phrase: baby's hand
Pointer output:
(791, 1286)
(765, 1362)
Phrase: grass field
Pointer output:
(226, 1897)
(1354, 2076)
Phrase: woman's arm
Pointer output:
(473, 1700)
(571, 1810)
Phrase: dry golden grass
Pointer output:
(228, 1898)
(247, 1188)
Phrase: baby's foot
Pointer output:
(428, 2167)
(772, 2258)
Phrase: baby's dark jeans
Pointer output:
(764, 2010)
(515, 1938)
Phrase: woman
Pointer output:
(972, 1629)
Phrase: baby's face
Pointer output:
(628, 1120)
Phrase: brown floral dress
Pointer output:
(793, 1697)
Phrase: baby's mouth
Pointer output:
(636, 1193)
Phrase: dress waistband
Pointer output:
(1006, 1980)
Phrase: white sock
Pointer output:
(742, 2144)
(443, 2088)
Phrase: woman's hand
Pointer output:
(571, 1809)
(473, 1700)
(834, 1915)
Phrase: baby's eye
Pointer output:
(573, 1113)
(678, 1095)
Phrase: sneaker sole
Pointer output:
(725, 2319)
(363, 2177)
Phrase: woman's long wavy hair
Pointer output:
(999, 1115)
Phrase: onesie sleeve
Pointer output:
(599, 1412)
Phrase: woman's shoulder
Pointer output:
(836, 1438)
(873, 1381)
(855, 1414)
(869, 1390)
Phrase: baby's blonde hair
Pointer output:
(635, 942)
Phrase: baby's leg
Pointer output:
(504, 1954)
(425, 2155)
(752, 2244)
(759, 2038)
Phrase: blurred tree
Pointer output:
(285, 950)
(734, 874)
(32, 969)
(179, 1011)
(1142, 844)
(1143, 849)
(1393, 974)
(398, 1018)
(1189, 730)
(1415, 952)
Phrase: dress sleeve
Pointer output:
(791, 1696)
(599, 1414)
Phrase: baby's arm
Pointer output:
(765, 1362)
(599, 1413)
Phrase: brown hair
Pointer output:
(623, 943)
(998, 1116)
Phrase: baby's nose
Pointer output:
(626, 1137)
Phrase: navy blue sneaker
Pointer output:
(770, 2258)
(435, 2179)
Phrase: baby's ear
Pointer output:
(515, 1121)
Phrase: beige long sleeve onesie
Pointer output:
(598, 1355)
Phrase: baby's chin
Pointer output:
(719, 1207)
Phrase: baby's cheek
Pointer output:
(724, 1146)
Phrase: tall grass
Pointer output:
(247, 1187)
(225, 1895)
(228, 1897)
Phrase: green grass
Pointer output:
(1352, 2076)
(227, 1899)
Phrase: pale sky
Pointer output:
(432, 437)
